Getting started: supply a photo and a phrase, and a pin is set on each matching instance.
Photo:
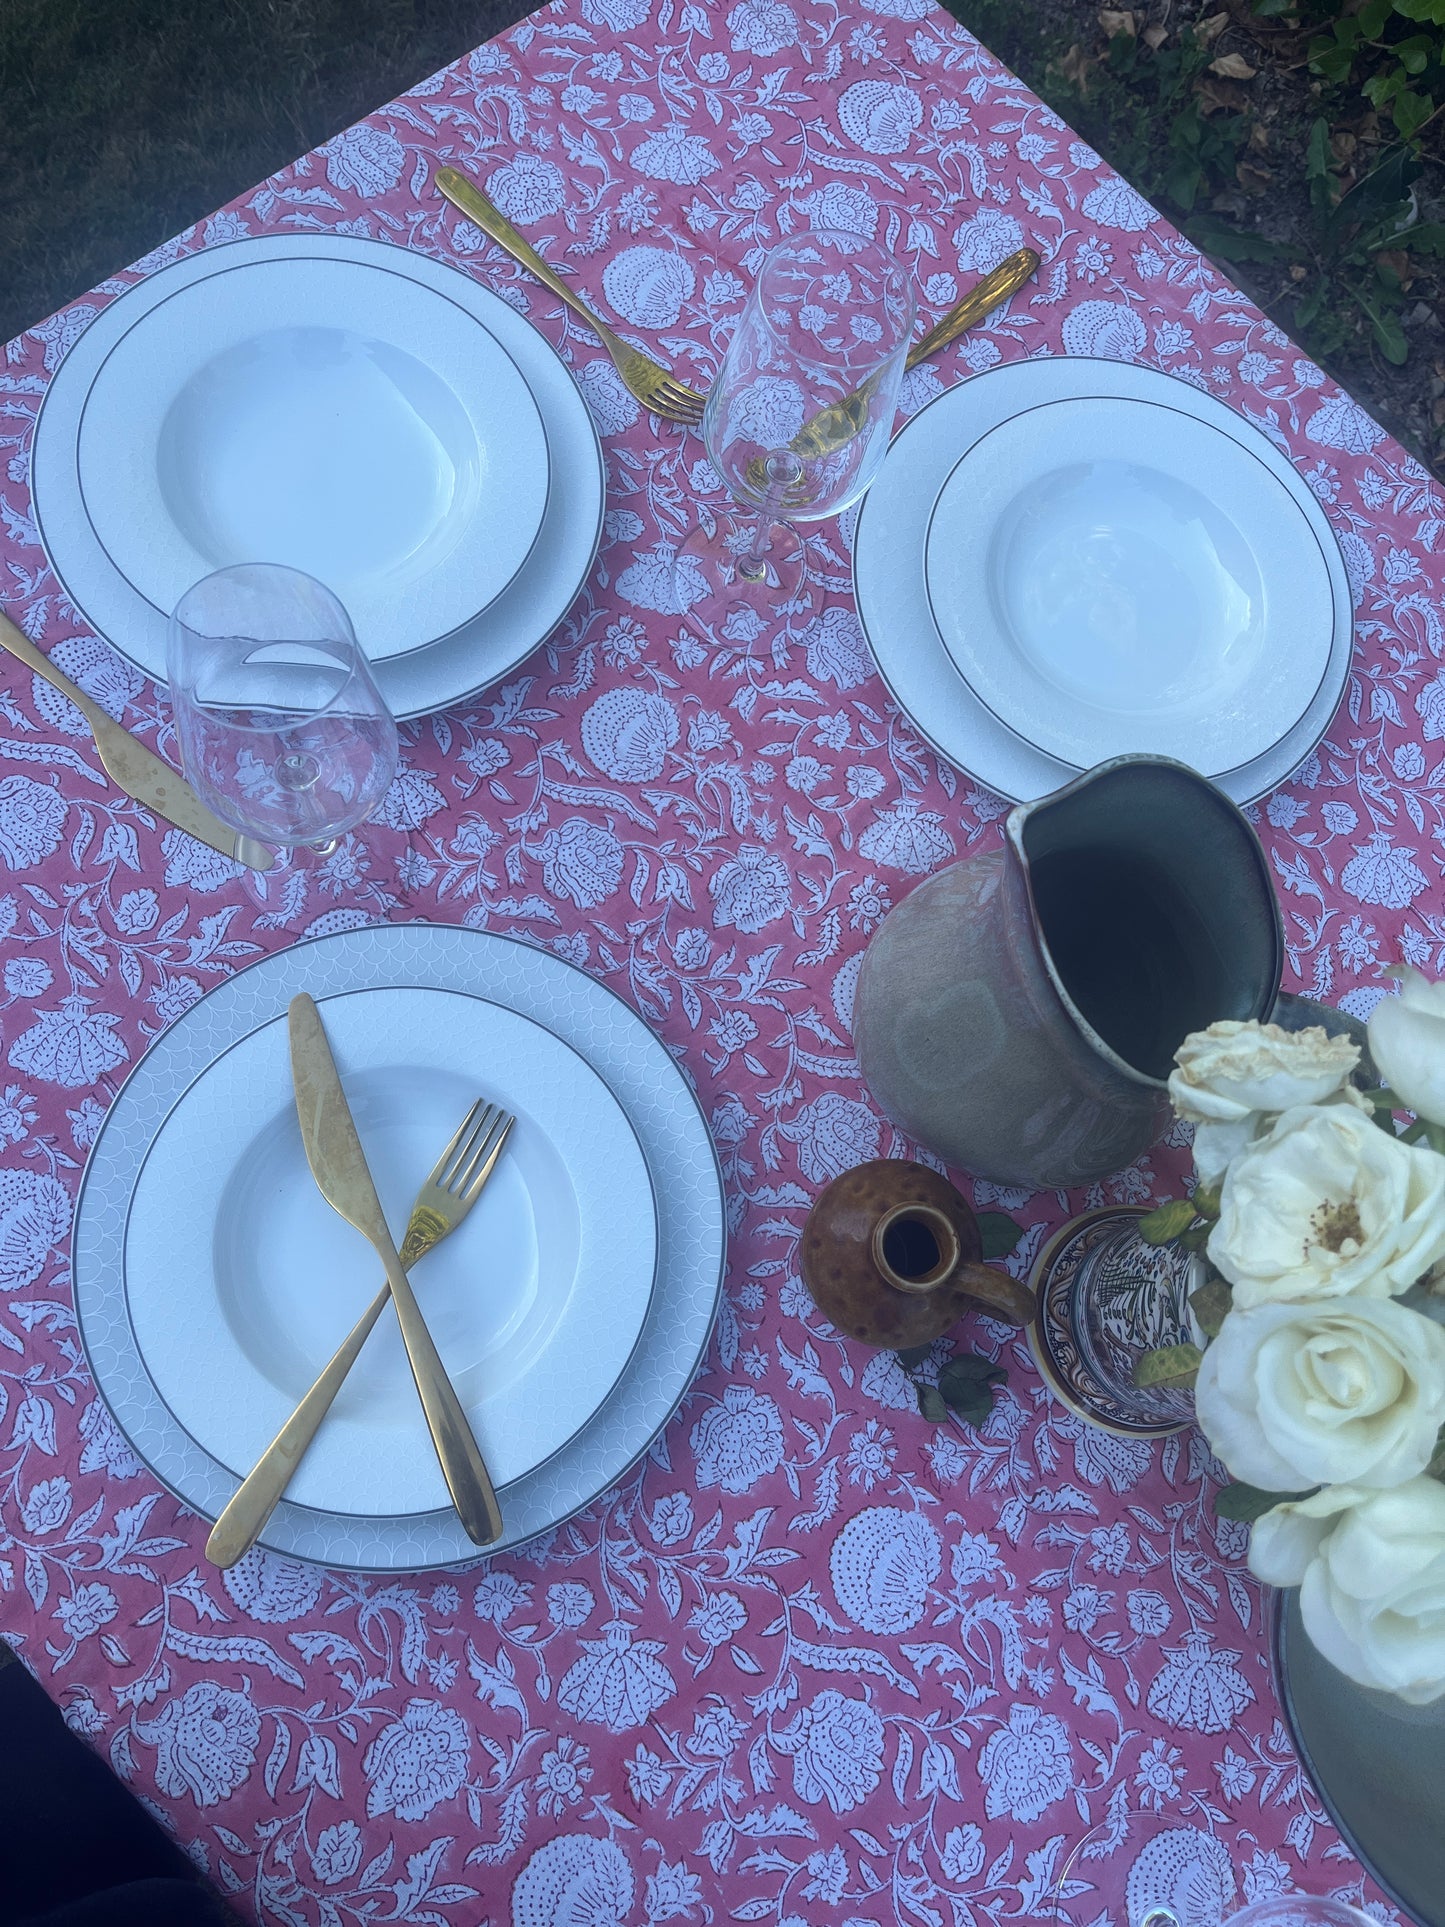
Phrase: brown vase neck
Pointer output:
(915, 1248)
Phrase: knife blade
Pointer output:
(338, 1164)
(134, 768)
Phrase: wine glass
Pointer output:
(798, 420)
(283, 731)
(1143, 1869)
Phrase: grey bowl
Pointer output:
(1376, 1770)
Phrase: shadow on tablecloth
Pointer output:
(76, 1849)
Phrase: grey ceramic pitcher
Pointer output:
(1018, 1014)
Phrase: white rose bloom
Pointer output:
(1335, 1391)
(1370, 1567)
(1325, 1203)
(1231, 1076)
(1407, 1042)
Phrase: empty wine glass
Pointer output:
(1142, 1869)
(283, 732)
(798, 420)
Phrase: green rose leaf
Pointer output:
(1436, 1468)
(1169, 1365)
(966, 1385)
(914, 1356)
(1168, 1222)
(1211, 1305)
(931, 1405)
(1248, 1502)
(999, 1233)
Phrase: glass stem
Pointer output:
(784, 470)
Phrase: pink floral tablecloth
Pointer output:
(817, 1660)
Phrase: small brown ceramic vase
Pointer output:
(892, 1255)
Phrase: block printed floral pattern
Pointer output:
(815, 1659)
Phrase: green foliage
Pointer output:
(965, 1385)
(1389, 54)
(1166, 1222)
(1391, 51)
(1249, 1502)
(1377, 215)
(999, 1232)
(1154, 89)
(1168, 1365)
(1211, 1305)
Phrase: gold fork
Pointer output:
(648, 380)
(445, 1198)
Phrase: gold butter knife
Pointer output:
(343, 1177)
(832, 426)
(134, 768)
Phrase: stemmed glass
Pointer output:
(798, 420)
(1142, 1869)
(283, 732)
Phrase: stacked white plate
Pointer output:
(571, 1307)
(349, 407)
(1065, 560)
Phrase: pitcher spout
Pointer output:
(1018, 1014)
(1153, 908)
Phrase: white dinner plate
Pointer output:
(535, 1301)
(426, 679)
(504, 973)
(1114, 577)
(892, 595)
(332, 415)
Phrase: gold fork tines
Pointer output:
(657, 390)
(451, 1189)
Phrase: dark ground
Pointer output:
(122, 121)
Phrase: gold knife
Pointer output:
(343, 1177)
(137, 770)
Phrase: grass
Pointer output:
(123, 121)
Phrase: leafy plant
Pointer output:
(1141, 89)
(965, 1385)
(1359, 234)
(1393, 51)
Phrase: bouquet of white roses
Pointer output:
(1322, 1385)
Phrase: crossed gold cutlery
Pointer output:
(134, 768)
(338, 1163)
(662, 392)
(443, 1201)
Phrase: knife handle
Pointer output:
(1006, 279)
(23, 649)
(463, 1466)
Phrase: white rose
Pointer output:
(1370, 1567)
(1407, 1042)
(1326, 1203)
(1337, 1391)
(1229, 1077)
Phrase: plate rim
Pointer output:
(459, 1552)
(1241, 791)
(1209, 427)
(279, 1017)
(184, 288)
(410, 700)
